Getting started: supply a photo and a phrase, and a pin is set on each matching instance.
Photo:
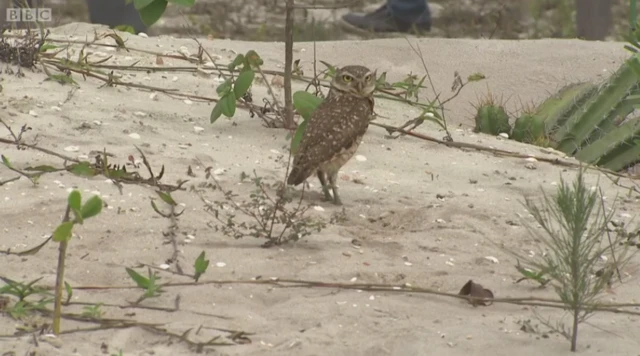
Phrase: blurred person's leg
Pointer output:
(394, 16)
(115, 12)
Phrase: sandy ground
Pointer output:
(417, 204)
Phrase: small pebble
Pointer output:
(220, 264)
(318, 208)
(134, 136)
(198, 129)
(491, 258)
(33, 113)
(164, 266)
(72, 148)
(361, 158)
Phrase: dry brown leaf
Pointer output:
(476, 290)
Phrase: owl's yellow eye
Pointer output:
(367, 78)
(347, 78)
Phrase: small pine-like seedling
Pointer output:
(575, 239)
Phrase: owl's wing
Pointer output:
(335, 125)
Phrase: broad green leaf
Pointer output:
(6, 162)
(305, 103)
(166, 197)
(200, 266)
(236, 61)
(224, 88)
(83, 169)
(92, 207)
(243, 82)
(476, 77)
(75, 204)
(126, 28)
(183, 2)
(75, 200)
(228, 103)
(63, 231)
(152, 12)
(297, 137)
(253, 58)
(69, 290)
(47, 46)
(140, 280)
(139, 4)
(216, 112)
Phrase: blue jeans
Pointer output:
(409, 10)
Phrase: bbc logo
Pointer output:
(29, 15)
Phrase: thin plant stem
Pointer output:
(288, 63)
(62, 253)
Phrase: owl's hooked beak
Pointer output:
(360, 87)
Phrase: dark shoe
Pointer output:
(382, 20)
(115, 12)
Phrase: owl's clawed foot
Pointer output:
(327, 195)
(336, 197)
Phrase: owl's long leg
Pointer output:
(322, 177)
(333, 177)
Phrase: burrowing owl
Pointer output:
(335, 128)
